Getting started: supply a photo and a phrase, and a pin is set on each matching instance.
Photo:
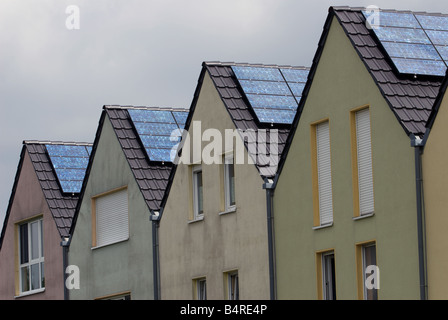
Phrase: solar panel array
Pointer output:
(159, 130)
(70, 163)
(274, 93)
(416, 43)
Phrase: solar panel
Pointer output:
(272, 92)
(159, 131)
(70, 163)
(415, 43)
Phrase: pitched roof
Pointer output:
(61, 204)
(411, 98)
(152, 177)
(242, 112)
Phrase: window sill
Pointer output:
(196, 219)
(109, 244)
(229, 210)
(323, 226)
(367, 215)
(29, 293)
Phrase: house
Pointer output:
(347, 201)
(214, 229)
(435, 178)
(111, 238)
(38, 218)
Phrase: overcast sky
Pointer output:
(54, 81)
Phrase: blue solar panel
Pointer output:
(433, 22)
(279, 116)
(438, 37)
(392, 19)
(443, 51)
(272, 102)
(407, 50)
(257, 73)
(297, 88)
(295, 75)
(156, 128)
(70, 163)
(402, 35)
(265, 87)
(424, 67)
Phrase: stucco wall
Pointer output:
(218, 243)
(120, 267)
(435, 178)
(341, 84)
(29, 202)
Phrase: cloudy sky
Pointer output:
(54, 81)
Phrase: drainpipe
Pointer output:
(418, 145)
(155, 218)
(269, 185)
(65, 243)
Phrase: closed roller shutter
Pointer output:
(112, 220)
(364, 154)
(324, 173)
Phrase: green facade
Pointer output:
(125, 266)
(341, 84)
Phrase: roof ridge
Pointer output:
(246, 64)
(127, 107)
(68, 143)
(391, 10)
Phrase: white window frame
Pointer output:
(228, 187)
(39, 260)
(328, 258)
(197, 215)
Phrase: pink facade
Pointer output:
(28, 203)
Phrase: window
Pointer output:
(321, 162)
(233, 286)
(326, 275)
(368, 272)
(200, 289)
(31, 255)
(362, 162)
(229, 183)
(198, 201)
(110, 218)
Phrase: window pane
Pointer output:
(231, 183)
(199, 190)
(35, 276)
(41, 227)
(42, 275)
(234, 290)
(25, 278)
(35, 240)
(23, 243)
(202, 290)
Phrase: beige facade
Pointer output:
(221, 243)
(435, 179)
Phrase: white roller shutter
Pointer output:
(364, 153)
(324, 172)
(112, 222)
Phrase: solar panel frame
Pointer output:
(433, 22)
(411, 50)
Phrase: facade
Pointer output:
(346, 197)
(111, 237)
(39, 216)
(435, 178)
(214, 219)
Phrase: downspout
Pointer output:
(155, 219)
(418, 145)
(269, 185)
(65, 243)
